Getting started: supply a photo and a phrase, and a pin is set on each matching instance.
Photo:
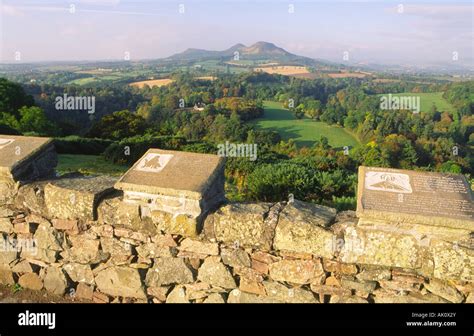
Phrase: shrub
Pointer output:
(273, 182)
(77, 145)
(7, 130)
(199, 147)
(343, 203)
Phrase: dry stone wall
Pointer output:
(164, 233)
(76, 236)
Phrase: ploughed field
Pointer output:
(304, 131)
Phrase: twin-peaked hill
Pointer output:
(259, 50)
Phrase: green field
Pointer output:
(215, 66)
(83, 81)
(88, 165)
(428, 99)
(304, 131)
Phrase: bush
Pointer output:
(200, 147)
(77, 145)
(7, 130)
(129, 150)
(118, 125)
(343, 203)
(273, 182)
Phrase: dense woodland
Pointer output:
(168, 117)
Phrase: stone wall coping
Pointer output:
(30, 146)
(191, 179)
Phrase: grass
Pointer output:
(304, 131)
(428, 99)
(88, 165)
(212, 65)
(83, 81)
(16, 288)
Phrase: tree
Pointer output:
(299, 111)
(118, 125)
(13, 97)
(33, 119)
(313, 108)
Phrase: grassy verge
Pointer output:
(88, 164)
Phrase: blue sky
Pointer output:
(424, 32)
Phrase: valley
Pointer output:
(304, 117)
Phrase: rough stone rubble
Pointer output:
(95, 247)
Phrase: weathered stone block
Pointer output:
(84, 291)
(375, 274)
(296, 271)
(6, 225)
(158, 292)
(120, 281)
(178, 224)
(40, 256)
(177, 295)
(30, 281)
(322, 290)
(22, 160)
(76, 198)
(251, 286)
(382, 296)
(452, 261)
(199, 247)
(48, 237)
(279, 292)
(84, 251)
(31, 197)
(347, 299)
(113, 246)
(80, 273)
(243, 225)
(22, 266)
(152, 250)
(377, 247)
(166, 271)
(6, 277)
(183, 184)
(8, 251)
(301, 229)
(235, 257)
(333, 266)
(237, 296)
(55, 281)
(361, 286)
(214, 298)
(71, 226)
(114, 211)
(215, 273)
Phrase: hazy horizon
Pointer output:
(420, 33)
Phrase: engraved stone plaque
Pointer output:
(404, 196)
(182, 185)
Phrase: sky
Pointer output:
(384, 32)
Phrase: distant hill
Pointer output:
(259, 50)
